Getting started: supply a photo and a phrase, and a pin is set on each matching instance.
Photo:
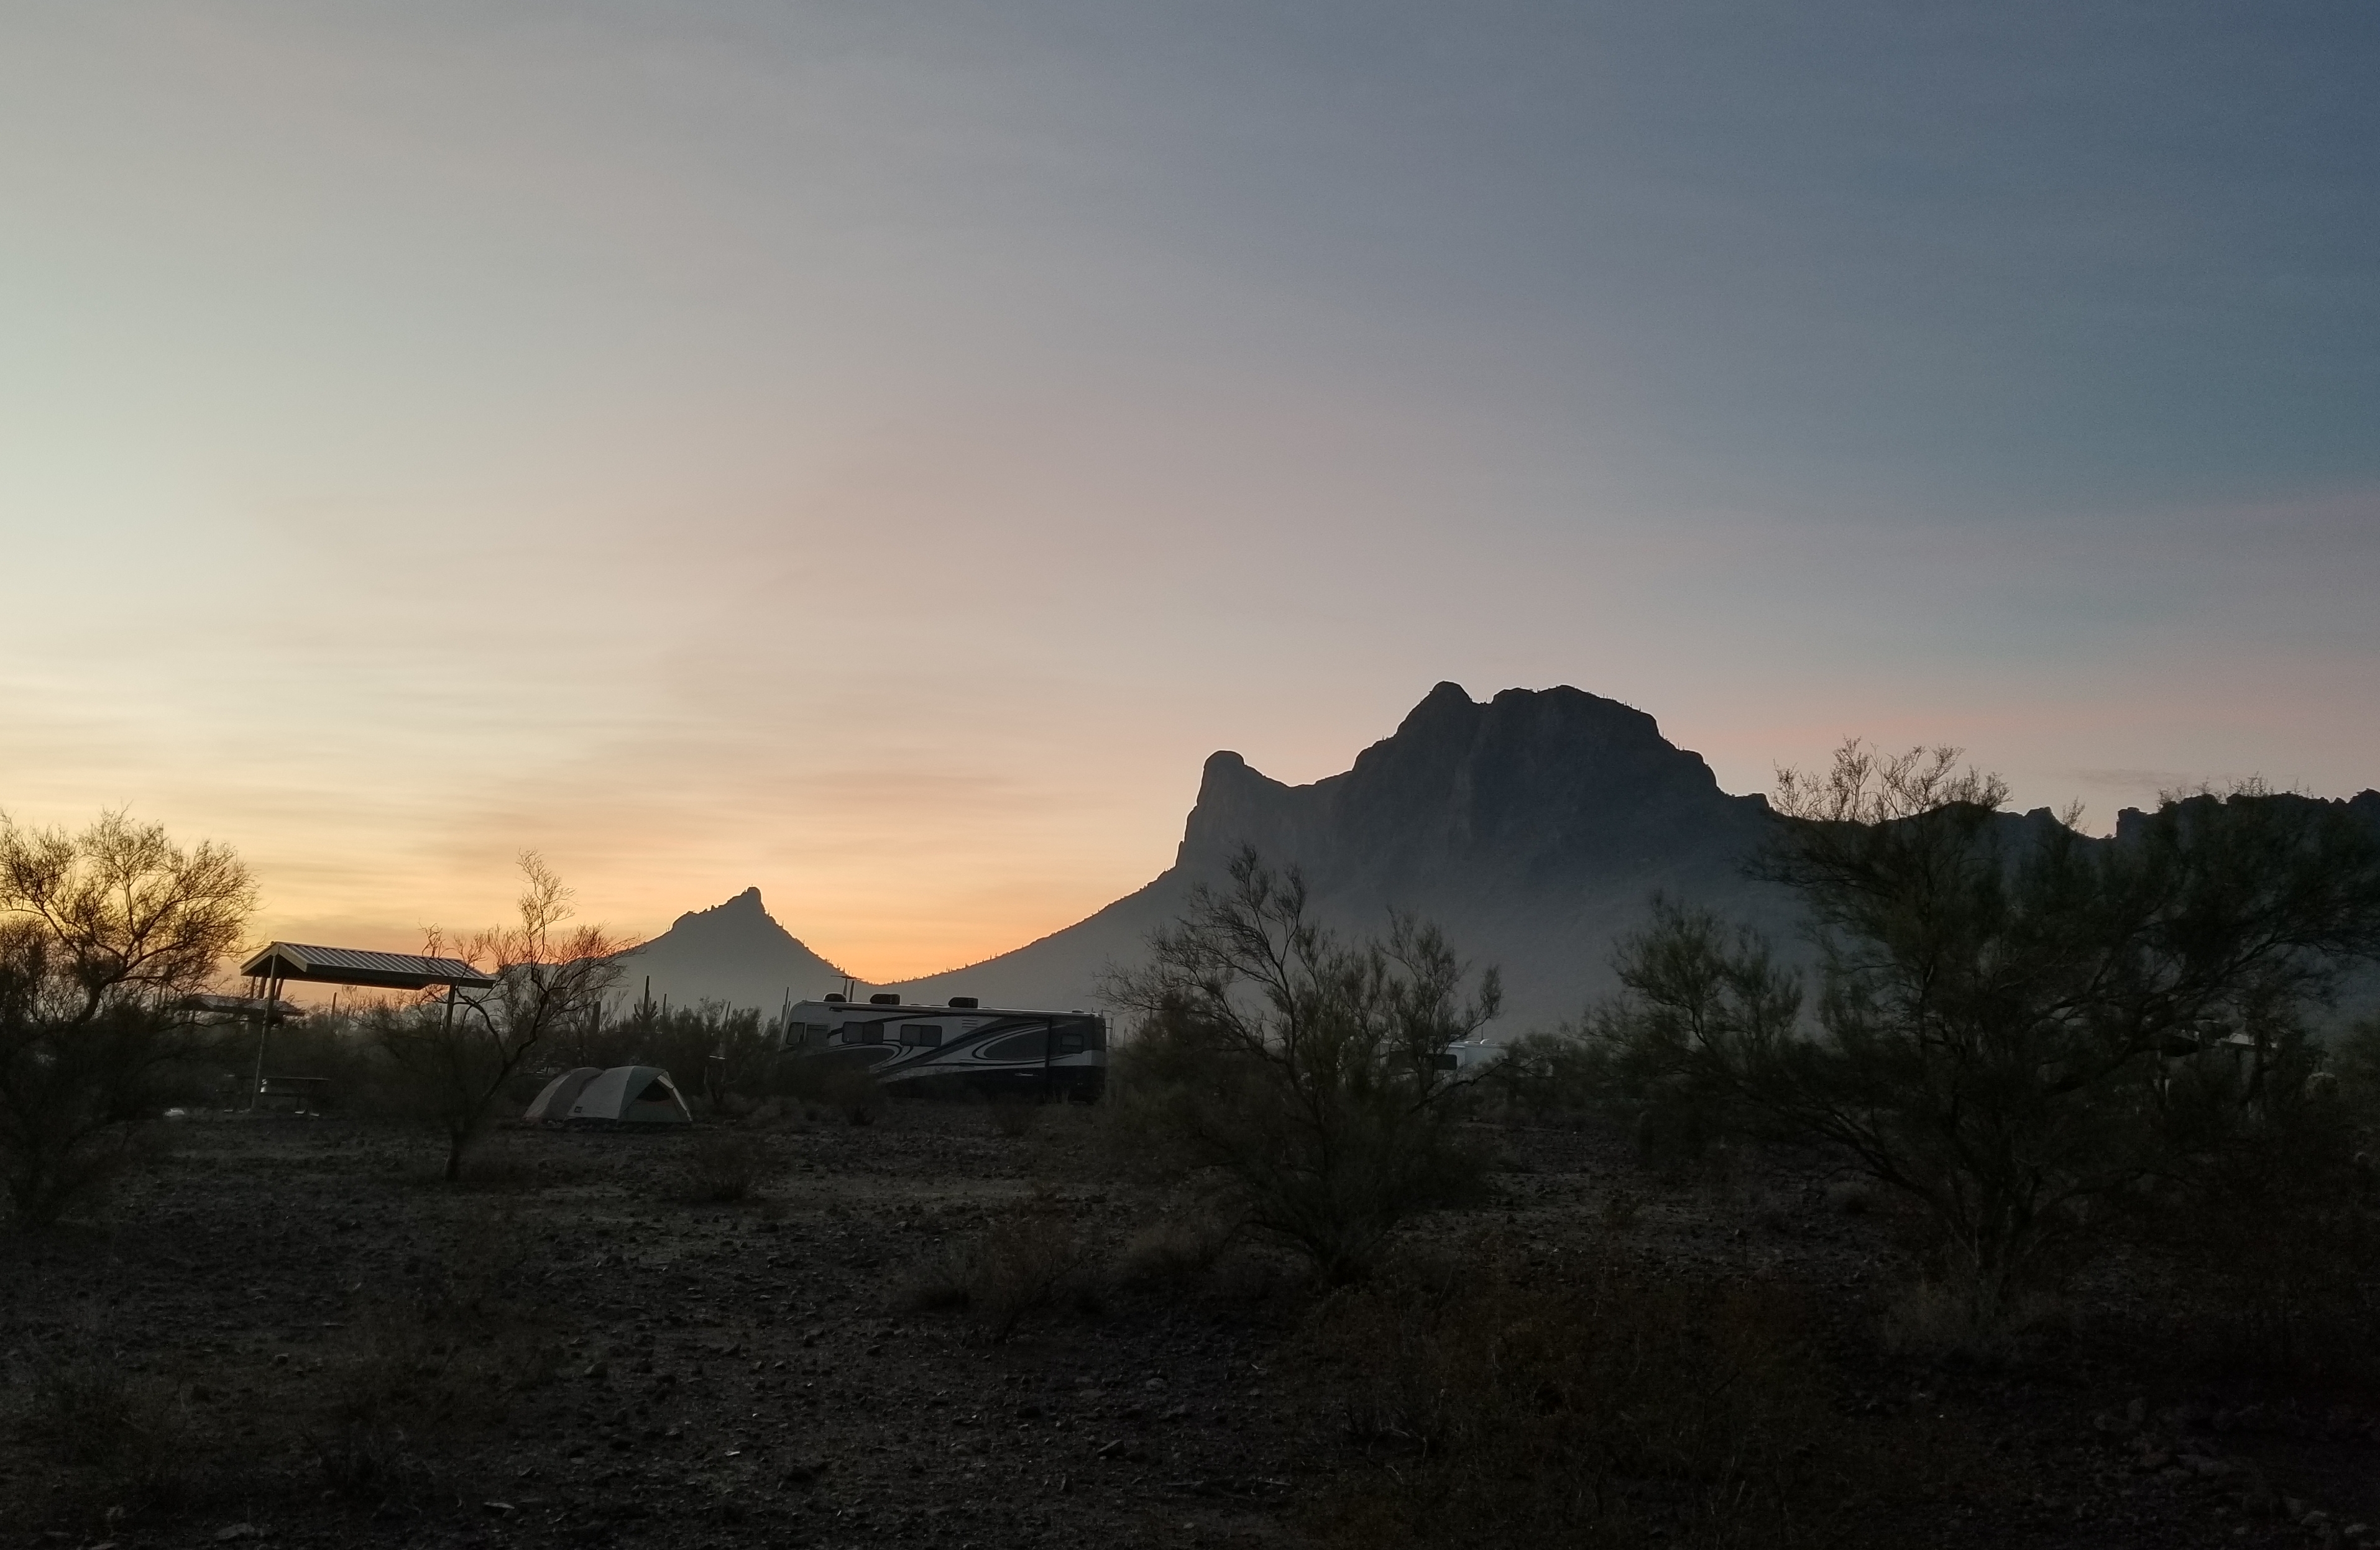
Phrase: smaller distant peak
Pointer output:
(1447, 691)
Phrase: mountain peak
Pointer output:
(734, 952)
(1532, 827)
(746, 906)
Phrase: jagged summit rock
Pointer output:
(1553, 782)
(1534, 827)
(745, 912)
(734, 952)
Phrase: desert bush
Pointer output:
(101, 935)
(725, 1165)
(338, 1047)
(719, 1053)
(1177, 1247)
(1542, 1078)
(1930, 1321)
(130, 1437)
(825, 1084)
(1306, 1082)
(1033, 1259)
(1598, 1404)
(2000, 998)
(2268, 1204)
(363, 1456)
(450, 1349)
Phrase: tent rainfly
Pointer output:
(551, 1105)
(629, 1095)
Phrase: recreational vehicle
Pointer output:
(961, 1049)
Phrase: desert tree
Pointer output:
(1308, 1076)
(101, 933)
(2009, 1014)
(460, 1052)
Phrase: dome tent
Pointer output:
(629, 1095)
(551, 1105)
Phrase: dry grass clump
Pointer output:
(1590, 1405)
(722, 1167)
(126, 1440)
(1032, 1260)
(1013, 1115)
(414, 1369)
(449, 1353)
(1934, 1321)
(1176, 1248)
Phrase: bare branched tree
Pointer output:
(101, 933)
(1312, 1077)
(460, 1052)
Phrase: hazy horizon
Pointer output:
(875, 453)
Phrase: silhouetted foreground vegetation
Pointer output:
(101, 933)
(2030, 1204)
(1303, 1080)
(2034, 1038)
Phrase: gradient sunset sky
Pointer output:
(876, 451)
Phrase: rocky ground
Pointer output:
(287, 1330)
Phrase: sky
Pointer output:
(876, 451)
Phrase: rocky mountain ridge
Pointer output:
(1533, 828)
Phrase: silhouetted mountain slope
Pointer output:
(1533, 828)
(733, 952)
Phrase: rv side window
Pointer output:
(1070, 1044)
(921, 1035)
(1034, 1045)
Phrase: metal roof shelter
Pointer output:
(283, 961)
(347, 965)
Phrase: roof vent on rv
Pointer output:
(965, 1002)
(835, 997)
(884, 998)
